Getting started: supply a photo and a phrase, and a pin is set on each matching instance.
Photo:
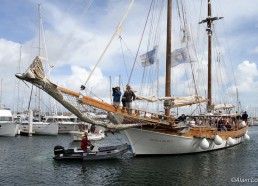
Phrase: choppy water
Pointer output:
(28, 161)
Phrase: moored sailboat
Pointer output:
(8, 127)
(39, 127)
(152, 133)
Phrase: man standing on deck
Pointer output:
(129, 96)
(245, 117)
(116, 97)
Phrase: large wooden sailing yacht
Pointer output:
(152, 133)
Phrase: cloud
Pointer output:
(247, 76)
(246, 83)
(9, 59)
(75, 42)
(255, 50)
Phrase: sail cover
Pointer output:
(223, 106)
(177, 102)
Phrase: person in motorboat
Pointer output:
(86, 144)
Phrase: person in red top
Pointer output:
(85, 142)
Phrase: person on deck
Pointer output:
(128, 97)
(182, 117)
(238, 117)
(92, 128)
(116, 97)
(245, 117)
(85, 143)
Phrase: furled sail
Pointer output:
(177, 102)
(223, 106)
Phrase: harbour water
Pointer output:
(29, 161)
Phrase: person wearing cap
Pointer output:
(128, 97)
(85, 143)
(116, 97)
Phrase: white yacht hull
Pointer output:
(65, 128)
(41, 128)
(144, 142)
(255, 123)
(8, 128)
(46, 129)
(65, 123)
(77, 136)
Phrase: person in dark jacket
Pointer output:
(92, 128)
(244, 117)
(128, 97)
(116, 97)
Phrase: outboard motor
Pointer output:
(59, 150)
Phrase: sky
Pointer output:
(77, 32)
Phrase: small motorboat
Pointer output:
(103, 153)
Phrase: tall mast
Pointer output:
(209, 57)
(209, 21)
(168, 58)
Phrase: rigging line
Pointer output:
(127, 47)
(117, 32)
(123, 56)
(143, 75)
(46, 106)
(30, 96)
(67, 40)
(44, 42)
(233, 72)
(193, 75)
(150, 29)
(35, 95)
(225, 96)
(182, 19)
(219, 81)
(67, 10)
(62, 20)
(153, 24)
(192, 42)
(157, 36)
(200, 44)
(219, 69)
(147, 72)
(184, 24)
(139, 44)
